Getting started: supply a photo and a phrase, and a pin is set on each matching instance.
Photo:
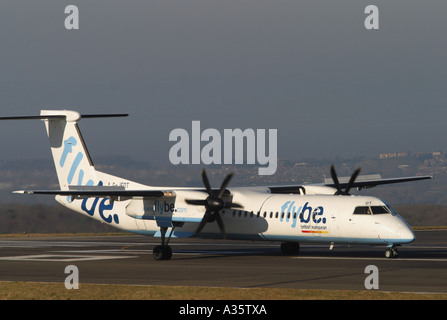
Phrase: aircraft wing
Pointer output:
(115, 192)
(361, 184)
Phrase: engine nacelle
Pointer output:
(314, 190)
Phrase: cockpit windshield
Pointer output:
(372, 210)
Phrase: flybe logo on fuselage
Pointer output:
(305, 214)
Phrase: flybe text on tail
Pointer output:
(68, 149)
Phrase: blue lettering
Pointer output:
(169, 207)
(295, 216)
(306, 208)
(318, 212)
(284, 206)
(74, 167)
(103, 206)
(290, 210)
(304, 213)
(67, 149)
(90, 211)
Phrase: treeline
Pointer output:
(38, 218)
(423, 214)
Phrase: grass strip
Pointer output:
(57, 291)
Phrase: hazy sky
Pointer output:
(309, 69)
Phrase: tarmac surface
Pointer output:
(420, 267)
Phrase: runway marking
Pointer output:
(61, 258)
(366, 258)
(134, 252)
(109, 251)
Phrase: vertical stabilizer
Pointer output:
(71, 158)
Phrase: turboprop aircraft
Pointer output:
(292, 214)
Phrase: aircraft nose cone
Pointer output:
(406, 234)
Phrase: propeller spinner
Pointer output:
(213, 204)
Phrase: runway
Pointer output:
(420, 267)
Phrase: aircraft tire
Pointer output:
(162, 253)
(391, 253)
(290, 248)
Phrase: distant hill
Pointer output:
(40, 174)
(421, 203)
(38, 218)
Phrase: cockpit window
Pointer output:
(371, 210)
(379, 209)
(362, 210)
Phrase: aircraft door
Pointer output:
(332, 222)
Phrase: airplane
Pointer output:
(291, 214)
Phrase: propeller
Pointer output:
(213, 204)
(348, 186)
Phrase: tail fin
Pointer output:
(71, 158)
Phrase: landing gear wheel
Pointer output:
(391, 253)
(290, 248)
(162, 253)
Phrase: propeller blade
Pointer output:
(348, 186)
(221, 224)
(206, 182)
(335, 179)
(202, 223)
(352, 180)
(225, 184)
(230, 205)
(213, 204)
(196, 202)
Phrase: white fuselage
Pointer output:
(264, 216)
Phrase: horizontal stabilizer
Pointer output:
(50, 117)
(103, 192)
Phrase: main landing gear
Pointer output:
(164, 251)
(290, 248)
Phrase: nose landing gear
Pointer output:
(391, 252)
